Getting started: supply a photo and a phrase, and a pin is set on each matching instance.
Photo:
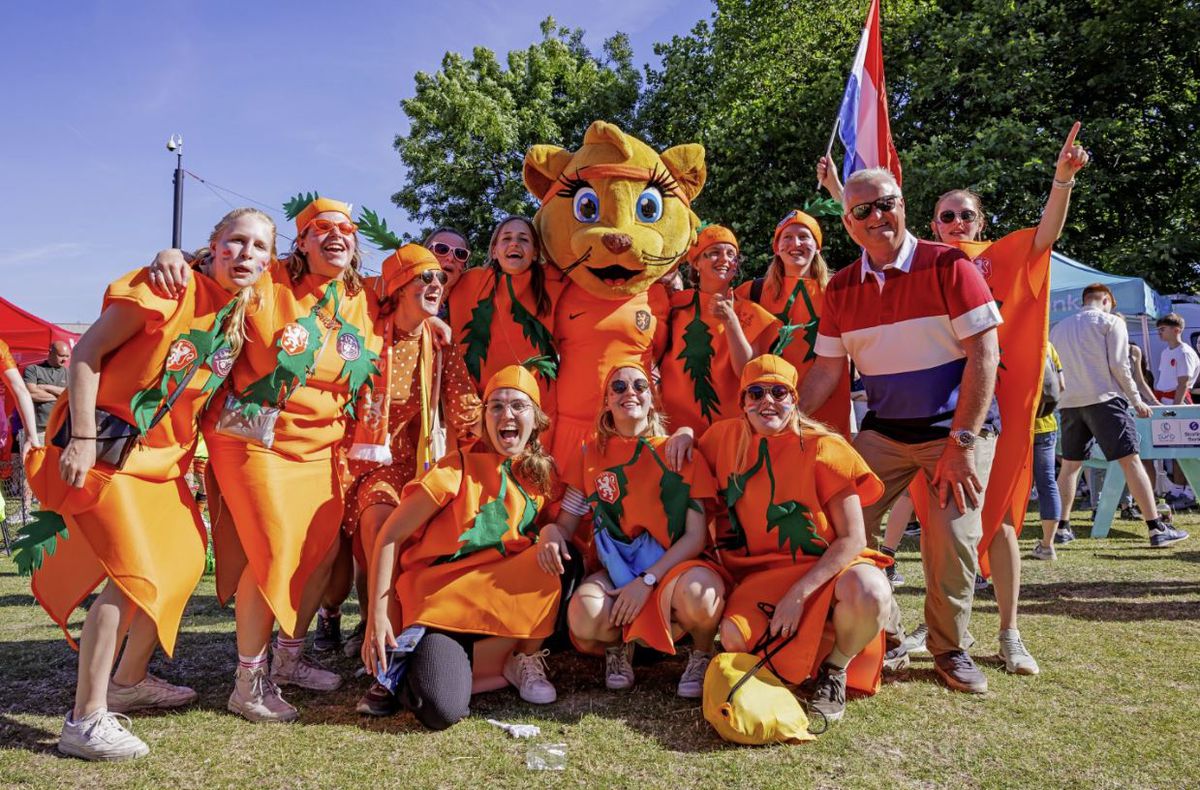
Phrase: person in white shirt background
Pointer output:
(1178, 369)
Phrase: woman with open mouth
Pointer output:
(393, 440)
(469, 585)
(792, 538)
(310, 350)
(793, 289)
(658, 582)
(713, 334)
(147, 369)
(503, 313)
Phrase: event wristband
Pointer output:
(1064, 184)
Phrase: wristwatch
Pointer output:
(964, 439)
(649, 578)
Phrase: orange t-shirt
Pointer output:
(6, 358)
(313, 420)
(629, 497)
(835, 412)
(678, 390)
(593, 334)
(780, 515)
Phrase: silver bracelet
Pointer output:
(1064, 184)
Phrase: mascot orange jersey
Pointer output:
(615, 217)
(775, 490)
(467, 569)
(631, 491)
(311, 346)
(139, 526)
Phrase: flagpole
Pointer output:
(837, 122)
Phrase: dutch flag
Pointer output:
(863, 118)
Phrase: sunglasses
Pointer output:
(428, 277)
(441, 248)
(326, 225)
(885, 204)
(948, 216)
(620, 387)
(777, 392)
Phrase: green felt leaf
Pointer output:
(488, 529)
(144, 405)
(37, 540)
(358, 372)
(293, 207)
(675, 495)
(735, 489)
(540, 365)
(526, 525)
(477, 337)
(533, 330)
(819, 206)
(291, 371)
(697, 354)
(375, 230)
(791, 520)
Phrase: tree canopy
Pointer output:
(981, 94)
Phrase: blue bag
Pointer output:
(626, 561)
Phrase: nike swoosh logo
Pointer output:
(573, 316)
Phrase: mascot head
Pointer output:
(615, 215)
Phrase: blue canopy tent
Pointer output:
(1068, 278)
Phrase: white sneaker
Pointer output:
(298, 669)
(100, 737)
(1041, 552)
(1017, 658)
(256, 698)
(618, 666)
(152, 692)
(528, 673)
(691, 682)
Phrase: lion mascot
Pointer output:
(615, 217)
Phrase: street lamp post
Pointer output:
(175, 144)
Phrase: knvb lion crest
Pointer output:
(294, 339)
(348, 347)
(222, 361)
(642, 319)
(181, 354)
(607, 488)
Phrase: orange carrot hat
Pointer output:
(515, 377)
(319, 205)
(707, 237)
(404, 265)
(768, 369)
(798, 217)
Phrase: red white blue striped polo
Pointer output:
(903, 329)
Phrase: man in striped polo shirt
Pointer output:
(919, 322)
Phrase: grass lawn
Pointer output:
(1114, 624)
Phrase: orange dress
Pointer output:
(139, 526)
(775, 490)
(592, 335)
(470, 569)
(631, 490)
(698, 405)
(798, 305)
(286, 502)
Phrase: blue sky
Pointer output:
(271, 99)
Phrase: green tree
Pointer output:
(471, 122)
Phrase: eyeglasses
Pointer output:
(620, 387)
(885, 204)
(441, 248)
(326, 225)
(948, 216)
(429, 276)
(517, 407)
(777, 392)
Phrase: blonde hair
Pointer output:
(817, 270)
(297, 264)
(533, 465)
(798, 423)
(606, 426)
(966, 194)
(235, 323)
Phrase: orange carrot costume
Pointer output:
(6, 359)
(1020, 284)
(699, 384)
(775, 489)
(594, 334)
(467, 569)
(139, 526)
(286, 501)
(631, 491)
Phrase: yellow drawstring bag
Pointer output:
(748, 704)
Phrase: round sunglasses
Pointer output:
(441, 248)
(620, 387)
(777, 392)
(429, 276)
(948, 216)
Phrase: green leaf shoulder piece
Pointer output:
(359, 363)
(37, 540)
(533, 330)
(608, 503)
(477, 338)
(675, 495)
(489, 527)
(697, 354)
(375, 230)
(735, 489)
(793, 524)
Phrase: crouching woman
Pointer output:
(794, 541)
(467, 572)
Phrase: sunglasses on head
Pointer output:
(620, 387)
(441, 248)
(777, 392)
(948, 216)
(885, 204)
(429, 276)
(326, 225)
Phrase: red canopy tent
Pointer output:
(29, 337)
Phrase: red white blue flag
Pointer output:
(863, 118)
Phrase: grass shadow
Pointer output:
(18, 736)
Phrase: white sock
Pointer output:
(252, 662)
(837, 658)
(289, 646)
